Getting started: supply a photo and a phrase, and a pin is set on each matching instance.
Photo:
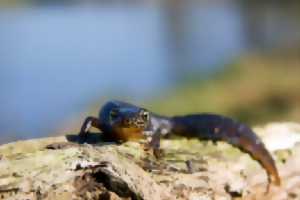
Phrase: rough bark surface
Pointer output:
(189, 169)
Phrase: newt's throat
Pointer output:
(131, 133)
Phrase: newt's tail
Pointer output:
(219, 128)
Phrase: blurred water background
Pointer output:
(59, 60)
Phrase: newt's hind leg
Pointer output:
(87, 124)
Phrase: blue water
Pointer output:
(55, 61)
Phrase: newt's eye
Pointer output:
(113, 114)
(146, 115)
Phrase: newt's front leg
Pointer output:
(155, 145)
(87, 124)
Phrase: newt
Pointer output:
(121, 121)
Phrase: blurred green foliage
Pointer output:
(254, 89)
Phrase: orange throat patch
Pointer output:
(126, 134)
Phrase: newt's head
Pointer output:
(123, 115)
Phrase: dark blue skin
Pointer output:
(120, 121)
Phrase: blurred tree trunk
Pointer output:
(268, 24)
(174, 15)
